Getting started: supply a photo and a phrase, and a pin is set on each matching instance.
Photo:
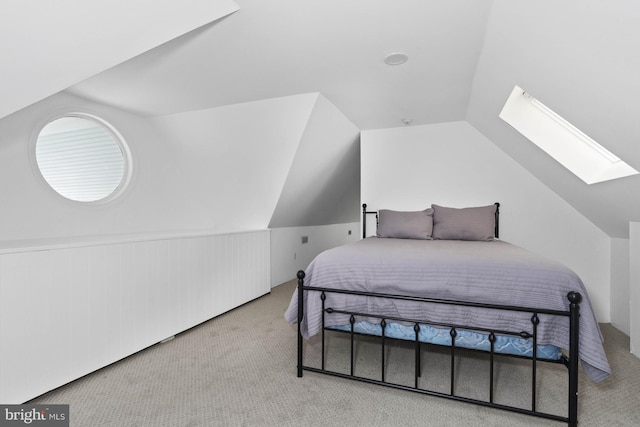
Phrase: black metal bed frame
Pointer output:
(570, 360)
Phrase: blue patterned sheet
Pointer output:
(465, 338)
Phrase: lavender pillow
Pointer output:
(476, 223)
(405, 224)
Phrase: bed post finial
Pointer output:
(574, 297)
(300, 275)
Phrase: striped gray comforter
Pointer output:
(493, 272)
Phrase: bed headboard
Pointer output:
(365, 212)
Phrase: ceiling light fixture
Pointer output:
(406, 122)
(395, 58)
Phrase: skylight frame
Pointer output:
(568, 145)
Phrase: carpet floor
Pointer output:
(239, 369)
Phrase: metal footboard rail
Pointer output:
(571, 361)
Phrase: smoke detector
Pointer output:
(395, 58)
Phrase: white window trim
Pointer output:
(126, 153)
(576, 151)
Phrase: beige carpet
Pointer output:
(239, 369)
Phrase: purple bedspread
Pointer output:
(493, 272)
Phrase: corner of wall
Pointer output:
(634, 285)
(289, 254)
(620, 281)
(323, 184)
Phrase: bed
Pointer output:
(441, 277)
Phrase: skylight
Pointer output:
(583, 156)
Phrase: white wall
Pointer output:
(323, 184)
(289, 254)
(69, 310)
(634, 288)
(212, 171)
(452, 164)
(237, 158)
(291, 163)
(158, 197)
(217, 172)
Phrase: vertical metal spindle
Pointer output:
(383, 325)
(352, 320)
(453, 334)
(534, 321)
(364, 220)
(323, 297)
(492, 340)
(416, 329)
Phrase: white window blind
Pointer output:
(80, 159)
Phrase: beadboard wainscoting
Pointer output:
(69, 309)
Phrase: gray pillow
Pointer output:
(405, 225)
(476, 223)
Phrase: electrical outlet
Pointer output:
(349, 232)
(305, 239)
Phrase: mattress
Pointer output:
(464, 338)
(494, 272)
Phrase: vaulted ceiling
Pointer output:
(335, 47)
(45, 47)
(579, 57)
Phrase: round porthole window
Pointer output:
(82, 158)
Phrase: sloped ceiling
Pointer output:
(47, 46)
(577, 56)
(285, 47)
(581, 59)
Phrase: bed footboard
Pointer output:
(570, 360)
